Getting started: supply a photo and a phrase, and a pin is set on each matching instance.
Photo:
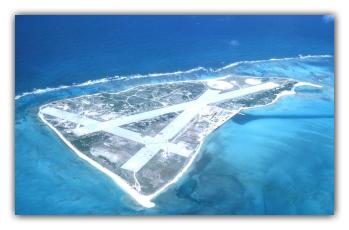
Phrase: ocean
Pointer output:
(277, 159)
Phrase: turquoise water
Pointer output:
(277, 159)
(268, 162)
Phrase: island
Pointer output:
(146, 137)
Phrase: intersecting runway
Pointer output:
(153, 145)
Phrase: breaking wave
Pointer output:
(152, 75)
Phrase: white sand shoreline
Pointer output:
(146, 200)
(141, 199)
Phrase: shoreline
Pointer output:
(152, 75)
(141, 199)
(146, 200)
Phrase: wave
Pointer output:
(86, 83)
(174, 73)
(151, 75)
(301, 57)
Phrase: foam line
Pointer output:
(151, 75)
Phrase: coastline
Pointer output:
(146, 200)
(141, 199)
(153, 75)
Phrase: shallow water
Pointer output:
(277, 159)
(54, 50)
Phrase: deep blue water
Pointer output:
(272, 160)
(53, 50)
